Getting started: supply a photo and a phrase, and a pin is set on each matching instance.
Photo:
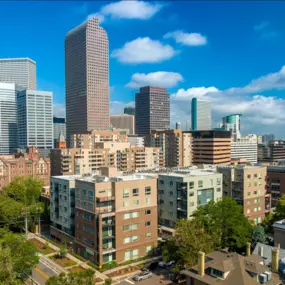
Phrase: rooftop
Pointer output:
(267, 252)
(189, 173)
(100, 178)
(279, 224)
(67, 177)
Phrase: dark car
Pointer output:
(177, 278)
(153, 265)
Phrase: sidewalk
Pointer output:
(71, 257)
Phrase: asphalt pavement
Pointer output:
(41, 273)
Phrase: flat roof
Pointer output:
(17, 58)
(67, 177)
(100, 178)
(189, 173)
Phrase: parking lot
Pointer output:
(160, 276)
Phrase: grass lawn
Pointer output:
(76, 269)
(43, 249)
(64, 262)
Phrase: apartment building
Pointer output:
(72, 161)
(229, 268)
(139, 158)
(175, 145)
(246, 184)
(62, 207)
(90, 139)
(275, 183)
(272, 152)
(24, 164)
(115, 218)
(136, 141)
(83, 161)
(211, 147)
(180, 193)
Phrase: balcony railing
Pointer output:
(105, 210)
(104, 199)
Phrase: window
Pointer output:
(171, 203)
(191, 194)
(218, 189)
(200, 183)
(248, 193)
(217, 272)
(135, 202)
(248, 176)
(161, 201)
(87, 217)
(148, 249)
(126, 193)
(147, 212)
(218, 181)
(130, 239)
(248, 202)
(170, 183)
(248, 211)
(171, 193)
(88, 229)
(170, 214)
(147, 190)
(191, 185)
(147, 201)
(84, 191)
(91, 193)
(131, 215)
(147, 224)
(161, 182)
(255, 192)
(135, 192)
(126, 204)
(148, 235)
(131, 254)
(130, 227)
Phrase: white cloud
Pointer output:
(131, 9)
(188, 39)
(59, 110)
(260, 113)
(98, 15)
(159, 78)
(143, 50)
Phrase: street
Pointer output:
(160, 276)
(41, 273)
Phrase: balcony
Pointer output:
(107, 250)
(108, 223)
(104, 210)
(105, 199)
(108, 235)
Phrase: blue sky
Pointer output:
(231, 53)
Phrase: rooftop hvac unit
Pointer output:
(262, 278)
(269, 275)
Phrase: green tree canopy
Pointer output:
(17, 257)
(226, 223)
(279, 213)
(83, 278)
(258, 235)
(24, 189)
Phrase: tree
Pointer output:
(279, 213)
(17, 257)
(258, 235)
(83, 278)
(26, 190)
(63, 250)
(225, 221)
(108, 281)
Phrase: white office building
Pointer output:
(8, 118)
(245, 147)
(35, 119)
(21, 71)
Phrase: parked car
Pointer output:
(143, 275)
(166, 264)
(153, 265)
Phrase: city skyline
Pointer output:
(231, 69)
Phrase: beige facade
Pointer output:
(123, 122)
(175, 145)
(246, 184)
(87, 79)
(90, 139)
(211, 147)
(115, 218)
(83, 161)
(28, 164)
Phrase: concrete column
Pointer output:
(201, 263)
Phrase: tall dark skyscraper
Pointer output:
(152, 110)
(87, 79)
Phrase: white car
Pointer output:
(143, 275)
(166, 264)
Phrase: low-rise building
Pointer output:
(246, 184)
(175, 145)
(279, 233)
(273, 151)
(116, 217)
(181, 193)
(136, 141)
(229, 268)
(123, 122)
(62, 207)
(90, 139)
(24, 164)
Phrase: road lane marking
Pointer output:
(42, 273)
(129, 281)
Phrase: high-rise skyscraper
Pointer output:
(232, 123)
(152, 110)
(59, 128)
(87, 79)
(35, 123)
(129, 110)
(21, 71)
(201, 115)
(8, 118)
